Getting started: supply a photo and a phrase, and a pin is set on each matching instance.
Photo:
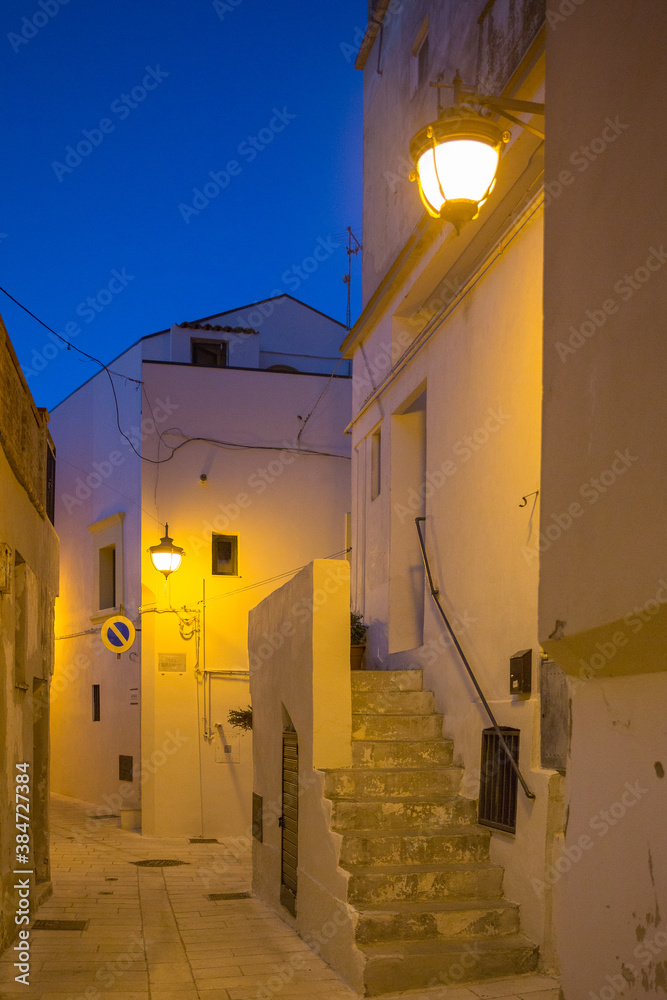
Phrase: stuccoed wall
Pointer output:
(308, 681)
(24, 702)
(603, 485)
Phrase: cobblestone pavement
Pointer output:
(153, 935)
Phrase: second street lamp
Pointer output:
(166, 557)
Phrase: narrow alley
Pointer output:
(155, 934)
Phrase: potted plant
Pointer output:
(357, 640)
(240, 718)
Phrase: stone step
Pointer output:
(386, 680)
(438, 920)
(402, 753)
(396, 727)
(393, 702)
(389, 884)
(424, 847)
(382, 783)
(403, 814)
(405, 965)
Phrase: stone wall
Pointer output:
(28, 587)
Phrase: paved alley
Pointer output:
(153, 933)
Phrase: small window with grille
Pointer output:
(225, 552)
(125, 763)
(498, 780)
(96, 703)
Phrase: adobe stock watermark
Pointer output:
(300, 612)
(591, 491)
(583, 157)
(606, 650)
(566, 8)
(249, 149)
(102, 471)
(625, 287)
(170, 745)
(381, 364)
(284, 973)
(121, 107)
(601, 823)
(258, 482)
(31, 26)
(114, 969)
(88, 310)
(223, 7)
(464, 448)
(349, 50)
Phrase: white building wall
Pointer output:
(447, 365)
(98, 477)
(602, 571)
(297, 513)
(284, 508)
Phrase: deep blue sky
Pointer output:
(229, 65)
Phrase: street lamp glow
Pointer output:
(166, 557)
(456, 160)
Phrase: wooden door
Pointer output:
(290, 822)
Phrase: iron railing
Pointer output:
(434, 595)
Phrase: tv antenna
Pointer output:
(352, 249)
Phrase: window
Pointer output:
(225, 551)
(107, 590)
(209, 353)
(125, 767)
(96, 703)
(107, 571)
(376, 463)
(419, 59)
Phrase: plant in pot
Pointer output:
(240, 718)
(357, 640)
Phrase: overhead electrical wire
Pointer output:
(70, 345)
(160, 461)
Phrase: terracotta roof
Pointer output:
(218, 329)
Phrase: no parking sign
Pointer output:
(118, 633)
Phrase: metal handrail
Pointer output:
(434, 595)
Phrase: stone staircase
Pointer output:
(429, 901)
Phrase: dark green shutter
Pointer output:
(290, 822)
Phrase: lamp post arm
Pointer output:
(496, 103)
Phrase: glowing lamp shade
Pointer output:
(166, 557)
(457, 160)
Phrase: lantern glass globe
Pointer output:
(457, 170)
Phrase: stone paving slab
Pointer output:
(153, 935)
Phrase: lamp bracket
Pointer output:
(497, 103)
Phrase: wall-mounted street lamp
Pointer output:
(166, 557)
(456, 157)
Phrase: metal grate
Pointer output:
(214, 896)
(125, 763)
(59, 925)
(498, 780)
(202, 840)
(257, 817)
(158, 863)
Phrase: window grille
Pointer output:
(498, 780)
